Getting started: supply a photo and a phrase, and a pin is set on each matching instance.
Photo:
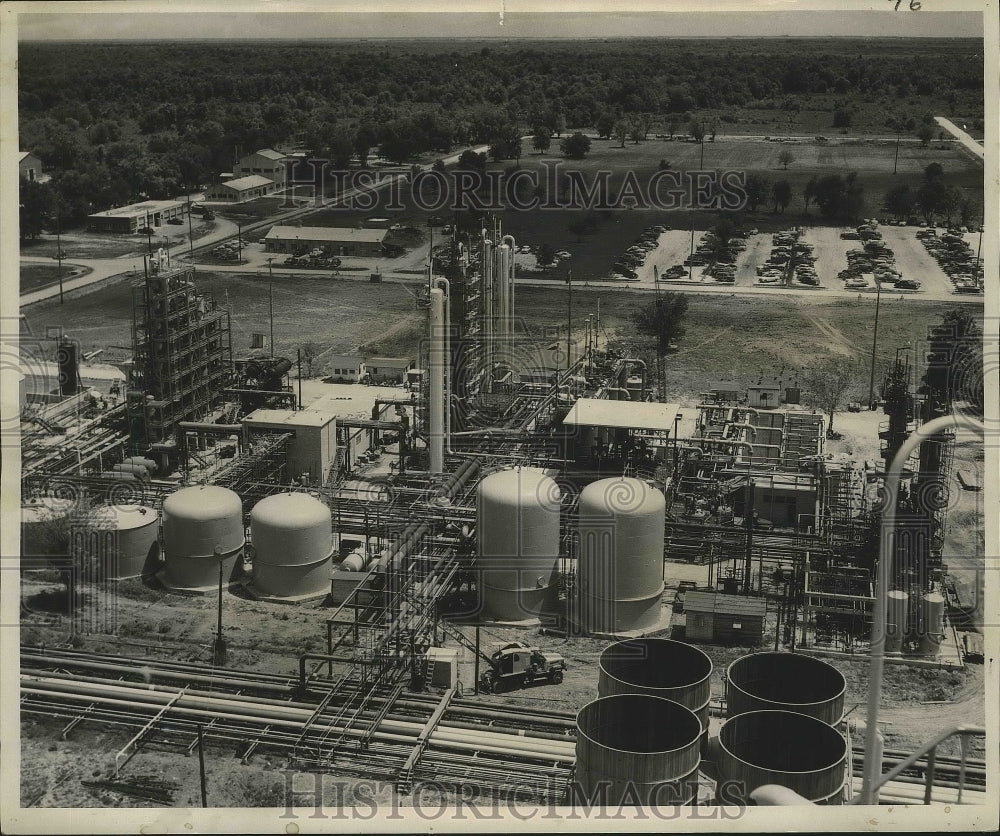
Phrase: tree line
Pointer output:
(117, 122)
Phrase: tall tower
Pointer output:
(182, 353)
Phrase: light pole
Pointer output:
(871, 379)
(270, 300)
(239, 243)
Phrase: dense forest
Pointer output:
(113, 122)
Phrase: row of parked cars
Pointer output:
(317, 259)
(635, 255)
(229, 250)
(875, 262)
(789, 254)
(956, 259)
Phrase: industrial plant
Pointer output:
(509, 483)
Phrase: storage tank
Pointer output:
(149, 464)
(518, 534)
(660, 668)
(119, 541)
(787, 682)
(202, 526)
(897, 602)
(293, 543)
(638, 749)
(932, 624)
(620, 560)
(44, 536)
(780, 747)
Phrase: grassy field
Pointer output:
(35, 276)
(727, 337)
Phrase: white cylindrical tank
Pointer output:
(293, 543)
(620, 558)
(897, 602)
(202, 526)
(44, 533)
(932, 623)
(118, 541)
(518, 533)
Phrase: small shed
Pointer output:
(764, 396)
(724, 619)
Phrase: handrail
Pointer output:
(929, 748)
(776, 795)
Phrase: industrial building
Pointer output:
(267, 163)
(337, 241)
(29, 167)
(136, 216)
(242, 189)
(508, 486)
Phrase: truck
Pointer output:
(518, 665)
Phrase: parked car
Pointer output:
(908, 284)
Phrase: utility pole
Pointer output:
(190, 230)
(871, 379)
(896, 158)
(59, 252)
(569, 322)
(270, 300)
(239, 243)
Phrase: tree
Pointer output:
(35, 207)
(620, 131)
(925, 133)
(839, 196)
(809, 192)
(900, 200)
(843, 117)
(828, 382)
(605, 124)
(786, 158)
(541, 139)
(757, 189)
(662, 319)
(546, 254)
(782, 193)
(365, 139)
(713, 129)
(310, 351)
(672, 126)
(576, 146)
(697, 130)
(559, 126)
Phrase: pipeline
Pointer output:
(291, 717)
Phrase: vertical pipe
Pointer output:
(871, 379)
(298, 353)
(201, 765)
(435, 433)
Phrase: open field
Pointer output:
(34, 276)
(727, 336)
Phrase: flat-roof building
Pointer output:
(242, 189)
(388, 369)
(339, 240)
(135, 216)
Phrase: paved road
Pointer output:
(961, 136)
(102, 269)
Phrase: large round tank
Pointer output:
(118, 541)
(932, 624)
(788, 682)
(293, 543)
(44, 534)
(202, 526)
(620, 560)
(897, 603)
(780, 747)
(659, 668)
(518, 533)
(639, 749)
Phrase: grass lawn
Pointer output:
(37, 276)
(727, 337)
